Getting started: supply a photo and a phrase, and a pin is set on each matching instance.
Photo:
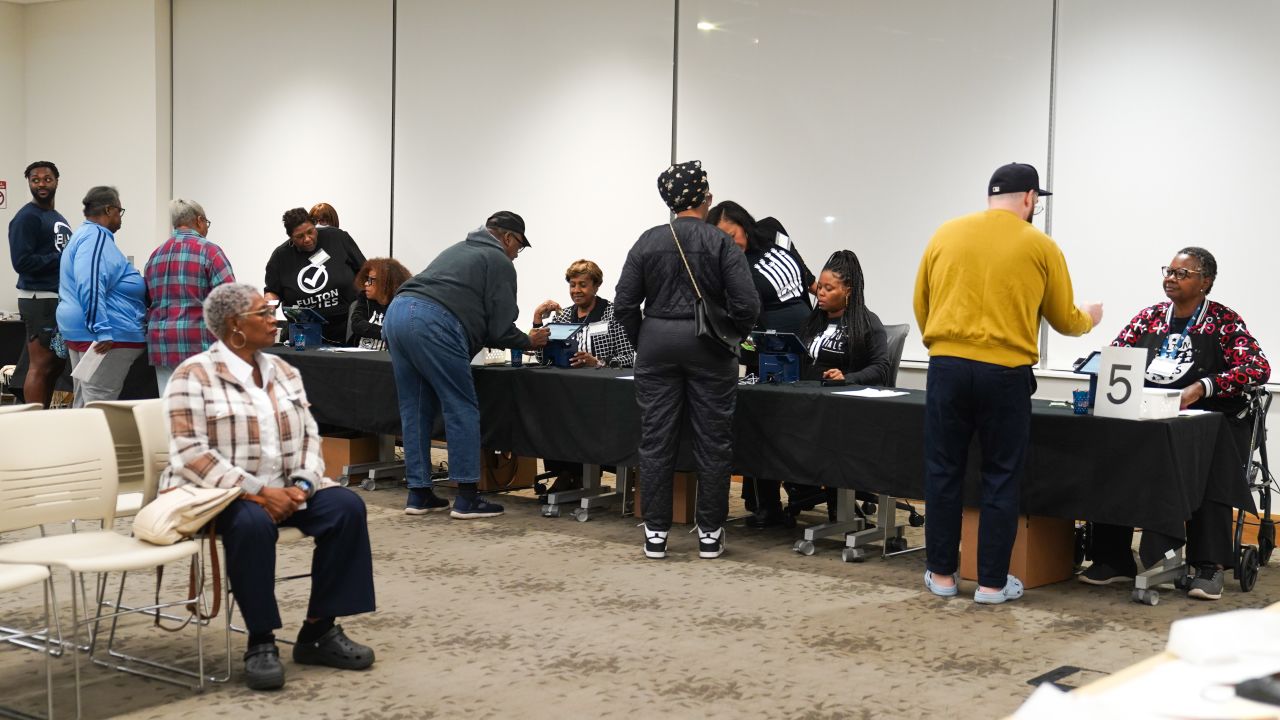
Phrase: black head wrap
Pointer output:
(683, 186)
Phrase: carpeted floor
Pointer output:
(551, 618)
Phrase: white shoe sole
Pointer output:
(472, 515)
(710, 554)
(424, 511)
(655, 554)
(1199, 594)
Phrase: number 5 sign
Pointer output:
(1120, 383)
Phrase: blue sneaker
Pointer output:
(477, 507)
(422, 501)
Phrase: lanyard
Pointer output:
(1166, 348)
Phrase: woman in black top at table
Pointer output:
(377, 282)
(848, 345)
(1202, 348)
(315, 269)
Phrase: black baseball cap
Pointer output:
(1015, 178)
(508, 220)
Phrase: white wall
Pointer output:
(559, 110)
(13, 156)
(281, 105)
(96, 103)
(885, 118)
(1166, 138)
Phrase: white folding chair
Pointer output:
(129, 464)
(14, 577)
(46, 480)
(9, 409)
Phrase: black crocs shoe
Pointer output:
(334, 649)
(262, 667)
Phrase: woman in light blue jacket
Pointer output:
(101, 301)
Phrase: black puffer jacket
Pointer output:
(655, 275)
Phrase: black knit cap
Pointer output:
(683, 186)
(1015, 178)
(508, 220)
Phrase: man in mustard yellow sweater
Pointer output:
(984, 283)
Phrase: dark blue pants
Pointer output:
(963, 397)
(341, 566)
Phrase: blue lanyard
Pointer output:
(1166, 348)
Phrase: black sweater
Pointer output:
(866, 362)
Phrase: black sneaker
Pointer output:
(1207, 584)
(766, 517)
(262, 667)
(655, 543)
(423, 500)
(710, 543)
(1103, 574)
(477, 507)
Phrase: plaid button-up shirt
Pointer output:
(215, 428)
(179, 276)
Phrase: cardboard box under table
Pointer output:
(1043, 553)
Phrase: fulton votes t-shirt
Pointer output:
(323, 279)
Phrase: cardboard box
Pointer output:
(684, 498)
(1251, 523)
(1043, 553)
(504, 471)
(339, 452)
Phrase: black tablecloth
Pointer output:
(1150, 474)
(13, 338)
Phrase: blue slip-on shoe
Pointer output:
(939, 590)
(1012, 590)
(477, 507)
(423, 500)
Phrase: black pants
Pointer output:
(963, 397)
(675, 372)
(341, 566)
(1210, 537)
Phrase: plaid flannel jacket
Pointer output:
(215, 438)
(179, 276)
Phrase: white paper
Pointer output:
(349, 349)
(1188, 412)
(870, 393)
(89, 363)
(626, 377)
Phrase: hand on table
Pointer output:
(833, 374)
(584, 359)
(1191, 395)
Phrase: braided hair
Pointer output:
(1208, 265)
(855, 321)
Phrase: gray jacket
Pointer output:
(476, 281)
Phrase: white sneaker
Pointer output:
(655, 543)
(710, 544)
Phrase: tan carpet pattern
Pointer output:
(531, 617)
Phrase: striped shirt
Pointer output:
(219, 427)
(179, 276)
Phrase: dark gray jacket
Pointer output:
(476, 281)
(655, 275)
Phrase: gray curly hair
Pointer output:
(225, 302)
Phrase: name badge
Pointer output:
(598, 328)
(1162, 366)
(319, 258)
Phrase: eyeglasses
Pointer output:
(207, 221)
(519, 241)
(266, 312)
(116, 207)
(1038, 209)
(1179, 273)
(370, 280)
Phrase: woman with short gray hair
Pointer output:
(238, 417)
(100, 300)
(179, 275)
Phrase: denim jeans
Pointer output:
(431, 360)
(963, 397)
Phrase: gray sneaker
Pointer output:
(1207, 584)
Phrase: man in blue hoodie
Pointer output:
(438, 321)
(37, 236)
(101, 300)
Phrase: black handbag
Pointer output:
(710, 321)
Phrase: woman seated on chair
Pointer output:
(604, 344)
(1202, 348)
(847, 345)
(238, 418)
